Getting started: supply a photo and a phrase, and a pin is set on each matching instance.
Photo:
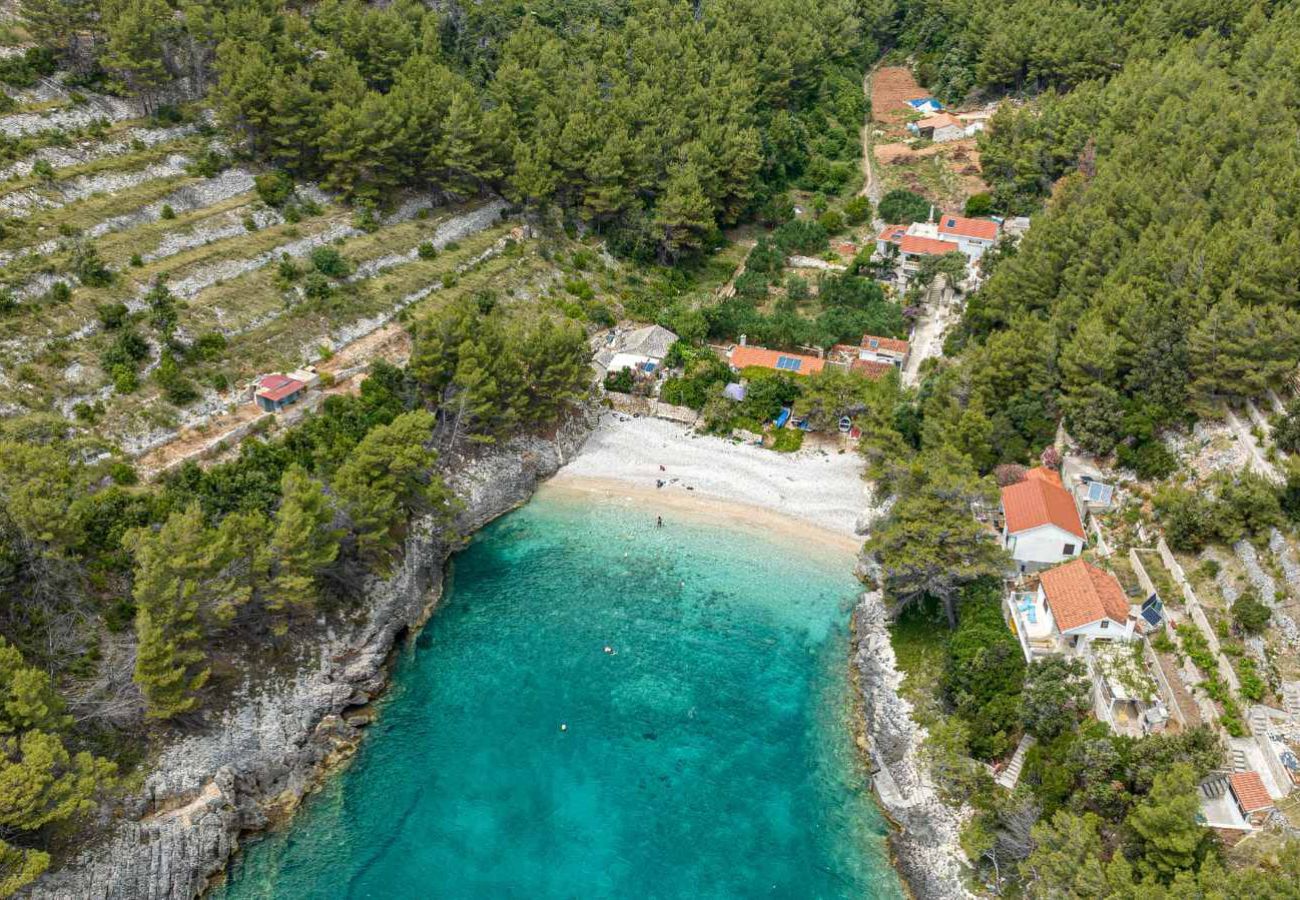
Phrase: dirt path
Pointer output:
(870, 181)
(927, 338)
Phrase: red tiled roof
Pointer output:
(892, 233)
(924, 246)
(761, 356)
(1250, 791)
(985, 229)
(940, 120)
(893, 345)
(871, 368)
(1080, 594)
(1040, 500)
(276, 387)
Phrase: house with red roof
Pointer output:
(1067, 607)
(1235, 804)
(972, 236)
(276, 391)
(742, 357)
(1041, 525)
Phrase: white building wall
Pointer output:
(1042, 546)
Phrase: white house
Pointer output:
(885, 350)
(1040, 523)
(972, 236)
(642, 349)
(1070, 606)
(939, 128)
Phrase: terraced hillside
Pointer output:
(101, 208)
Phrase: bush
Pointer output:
(329, 262)
(43, 170)
(112, 315)
(832, 221)
(167, 212)
(978, 205)
(1250, 615)
(787, 440)
(1151, 460)
(801, 236)
(209, 165)
(857, 210)
(984, 674)
(902, 207)
(136, 261)
(752, 285)
(426, 250)
(128, 350)
(89, 267)
(59, 292)
(317, 286)
(8, 302)
(175, 386)
(274, 187)
(619, 382)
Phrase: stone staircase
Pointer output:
(1011, 774)
(1215, 785)
(1291, 698)
(1238, 760)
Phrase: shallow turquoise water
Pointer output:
(707, 757)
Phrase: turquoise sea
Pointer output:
(707, 756)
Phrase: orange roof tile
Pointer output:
(1079, 594)
(940, 120)
(871, 368)
(892, 233)
(1046, 475)
(893, 345)
(924, 246)
(985, 229)
(1040, 500)
(761, 356)
(1250, 791)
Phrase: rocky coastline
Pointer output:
(256, 762)
(926, 846)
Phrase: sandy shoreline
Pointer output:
(813, 496)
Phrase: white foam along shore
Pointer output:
(814, 494)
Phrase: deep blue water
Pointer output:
(709, 756)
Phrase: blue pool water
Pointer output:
(709, 756)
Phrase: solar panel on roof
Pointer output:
(788, 363)
(952, 223)
(1153, 610)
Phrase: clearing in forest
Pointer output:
(891, 87)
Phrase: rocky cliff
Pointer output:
(926, 846)
(259, 759)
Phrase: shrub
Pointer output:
(787, 440)
(902, 207)
(43, 170)
(619, 382)
(8, 302)
(978, 205)
(801, 236)
(317, 286)
(1250, 615)
(175, 386)
(426, 250)
(832, 221)
(250, 223)
(89, 267)
(857, 210)
(136, 260)
(1150, 460)
(209, 165)
(752, 285)
(328, 261)
(167, 212)
(59, 292)
(112, 315)
(273, 187)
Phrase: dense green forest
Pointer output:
(654, 121)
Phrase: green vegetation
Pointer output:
(901, 207)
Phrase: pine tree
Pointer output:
(27, 696)
(137, 34)
(303, 542)
(388, 477)
(683, 215)
(239, 562)
(170, 574)
(1166, 822)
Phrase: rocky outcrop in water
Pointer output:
(926, 845)
(257, 761)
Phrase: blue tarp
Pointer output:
(782, 418)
